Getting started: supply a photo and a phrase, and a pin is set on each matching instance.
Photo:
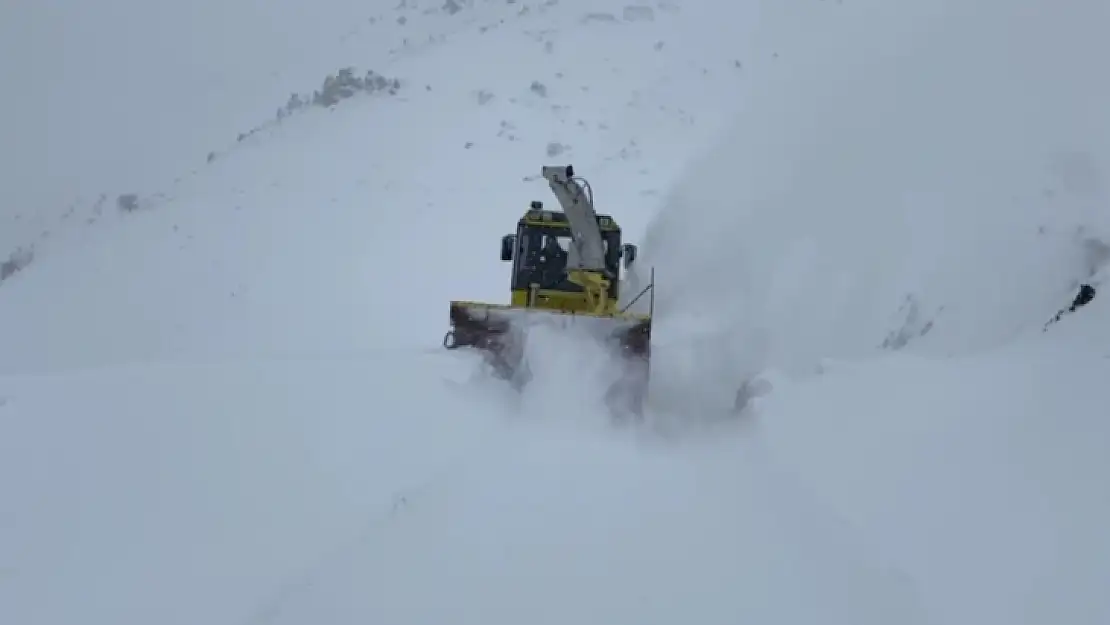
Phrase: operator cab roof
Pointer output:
(537, 215)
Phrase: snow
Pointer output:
(232, 405)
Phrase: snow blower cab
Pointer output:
(565, 272)
(542, 250)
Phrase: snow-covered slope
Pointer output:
(125, 95)
(231, 406)
(308, 233)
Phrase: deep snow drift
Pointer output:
(231, 406)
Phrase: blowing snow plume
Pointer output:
(928, 171)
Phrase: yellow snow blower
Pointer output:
(566, 273)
